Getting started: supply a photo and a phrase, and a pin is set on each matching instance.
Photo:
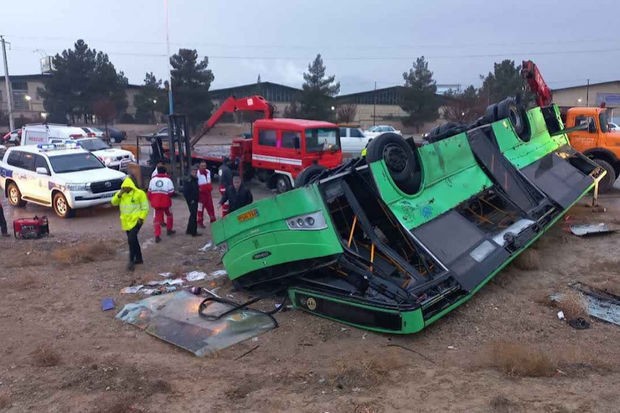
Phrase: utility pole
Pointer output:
(588, 93)
(374, 105)
(170, 103)
(7, 82)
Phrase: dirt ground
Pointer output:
(503, 351)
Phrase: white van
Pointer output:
(35, 134)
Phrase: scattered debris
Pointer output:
(561, 315)
(174, 318)
(166, 274)
(206, 247)
(131, 290)
(195, 276)
(217, 274)
(592, 229)
(107, 304)
(579, 323)
(247, 352)
(413, 351)
(600, 304)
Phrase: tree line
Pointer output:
(85, 84)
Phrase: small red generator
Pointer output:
(31, 227)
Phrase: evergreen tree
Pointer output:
(80, 78)
(420, 100)
(317, 94)
(191, 81)
(150, 100)
(505, 81)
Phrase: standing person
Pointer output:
(204, 199)
(134, 208)
(226, 176)
(160, 193)
(237, 195)
(192, 194)
(3, 229)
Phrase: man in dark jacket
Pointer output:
(226, 176)
(237, 195)
(191, 194)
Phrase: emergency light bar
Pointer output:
(67, 144)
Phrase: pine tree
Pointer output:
(420, 99)
(316, 99)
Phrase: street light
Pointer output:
(43, 116)
(27, 98)
(153, 111)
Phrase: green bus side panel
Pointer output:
(541, 143)
(450, 176)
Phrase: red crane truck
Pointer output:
(277, 150)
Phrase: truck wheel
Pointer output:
(14, 195)
(283, 184)
(61, 206)
(515, 113)
(308, 174)
(399, 159)
(607, 182)
(490, 114)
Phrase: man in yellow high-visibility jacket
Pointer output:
(134, 207)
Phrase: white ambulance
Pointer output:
(114, 158)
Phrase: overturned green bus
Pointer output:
(394, 241)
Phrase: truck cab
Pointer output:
(596, 140)
(281, 148)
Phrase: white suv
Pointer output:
(63, 176)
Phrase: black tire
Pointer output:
(490, 114)
(607, 182)
(306, 176)
(61, 206)
(14, 195)
(515, 113)
(283, 183)
(399, 159)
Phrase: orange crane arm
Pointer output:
(232, 104)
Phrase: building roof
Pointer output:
(590, 85)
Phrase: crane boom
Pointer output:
(530, 72)
(232, 104)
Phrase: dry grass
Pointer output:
(84, 252)
(528, 260)
(21, 260)
(27, 282)
(5, 401)
(45, 356)
(500, 404)
(516, 359)
(365, 373)
(573, 305)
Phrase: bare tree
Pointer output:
(346, 112)
(105, 110)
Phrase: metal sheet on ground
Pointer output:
(600, 304)
(592, 229)
(174, 318)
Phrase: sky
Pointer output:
(361, 42)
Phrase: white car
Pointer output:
(63, 176)
(111, 157)
(353, 140)
(93, 132)
(613, 126)
(377, 130)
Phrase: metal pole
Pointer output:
(588, 93)
(170, 102)
(9, 90)
(374, 105)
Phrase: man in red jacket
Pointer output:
(205, 199)
(160, 192)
